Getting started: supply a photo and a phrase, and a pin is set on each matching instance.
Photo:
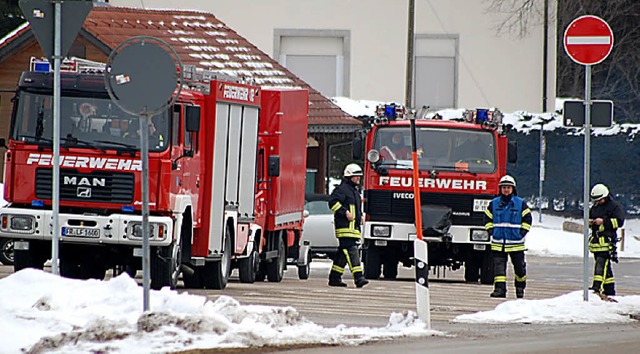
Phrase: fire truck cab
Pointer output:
(460, 164)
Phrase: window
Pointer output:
(319, 57)
(436, 71)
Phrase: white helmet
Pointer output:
(507, 181)
(599, 191)
(352, 169)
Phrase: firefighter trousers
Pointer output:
(603, 280)
(500, 269)
(347, 254)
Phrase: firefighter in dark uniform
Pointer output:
(606, 216)
(508, 220)
(345, 203)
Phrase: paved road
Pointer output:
(450, 297)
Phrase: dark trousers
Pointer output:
(603, 280)
(500, 269)
(347, 255)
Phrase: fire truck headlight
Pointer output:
(136, 230)
(373, 156)
(381, 230)
(479, 235)
(22, 223)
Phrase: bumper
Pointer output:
(118, 229)
(407, 232)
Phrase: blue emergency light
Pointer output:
(41, 66)
(37, 203)
(390, 111)
(127, 208)
(482, 115)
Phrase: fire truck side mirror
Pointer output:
(512, 151)
(3, 143)
(356, 148)
(192, 119)
(274, 166)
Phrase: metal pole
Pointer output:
(410, 42)
(144, 152)
(542, 148)
(55, 203)
(585, 195)
(545, 54)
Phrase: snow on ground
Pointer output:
(45, 313)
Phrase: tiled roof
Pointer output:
(201, 39)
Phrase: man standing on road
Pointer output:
(345, 203)
(508, 220)
(605, 218)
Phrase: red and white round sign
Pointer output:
(588, 40)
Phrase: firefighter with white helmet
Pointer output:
(606, 216)
(508, 220)
(345, 202)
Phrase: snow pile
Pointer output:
(47, 313)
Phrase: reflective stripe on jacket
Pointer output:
(603, 237)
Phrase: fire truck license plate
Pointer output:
(80, 232)
(480, 205)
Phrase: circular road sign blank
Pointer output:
(588, 40)
(142, 76)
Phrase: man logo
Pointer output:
(84, 192)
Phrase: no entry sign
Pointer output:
(588, 40)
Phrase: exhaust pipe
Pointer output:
(187, 270)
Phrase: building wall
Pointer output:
(498, 71)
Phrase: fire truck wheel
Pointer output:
(248, 267)
(261, 275)
(216, 273)
(275, 269)
(390, 269)
(472, 268)
(372, 262)
(165, 266)
(6, 251)
(193, 280)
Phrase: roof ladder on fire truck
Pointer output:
(73, 64)
(198, 79)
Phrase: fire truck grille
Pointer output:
(382, 206)
(98, 187)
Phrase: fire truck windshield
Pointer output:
(85, 122)
(437, 148)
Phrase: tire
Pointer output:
(248, 267)
(195, 280)
(304, 271)
(390, 269)
(165, 266)
(216, 274)
(486, 272)
(275, 269)
(261, 274)
(6, 251)
(372, 262)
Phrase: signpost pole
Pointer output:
(55, 203)
(585, 196)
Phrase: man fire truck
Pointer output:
(460, 162)
(217, 171)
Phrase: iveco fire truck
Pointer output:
(460, 163)
(216, 172)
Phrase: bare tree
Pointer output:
(617, 78)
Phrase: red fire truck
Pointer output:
(217, 177)
(460, 162)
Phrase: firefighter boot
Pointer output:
(337, 282)
(360, 282)
(499, 290)
(520, 293)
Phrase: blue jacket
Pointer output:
(508, 221)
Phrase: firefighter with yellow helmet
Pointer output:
(606, 216)
(508, 220)
(345, 202)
